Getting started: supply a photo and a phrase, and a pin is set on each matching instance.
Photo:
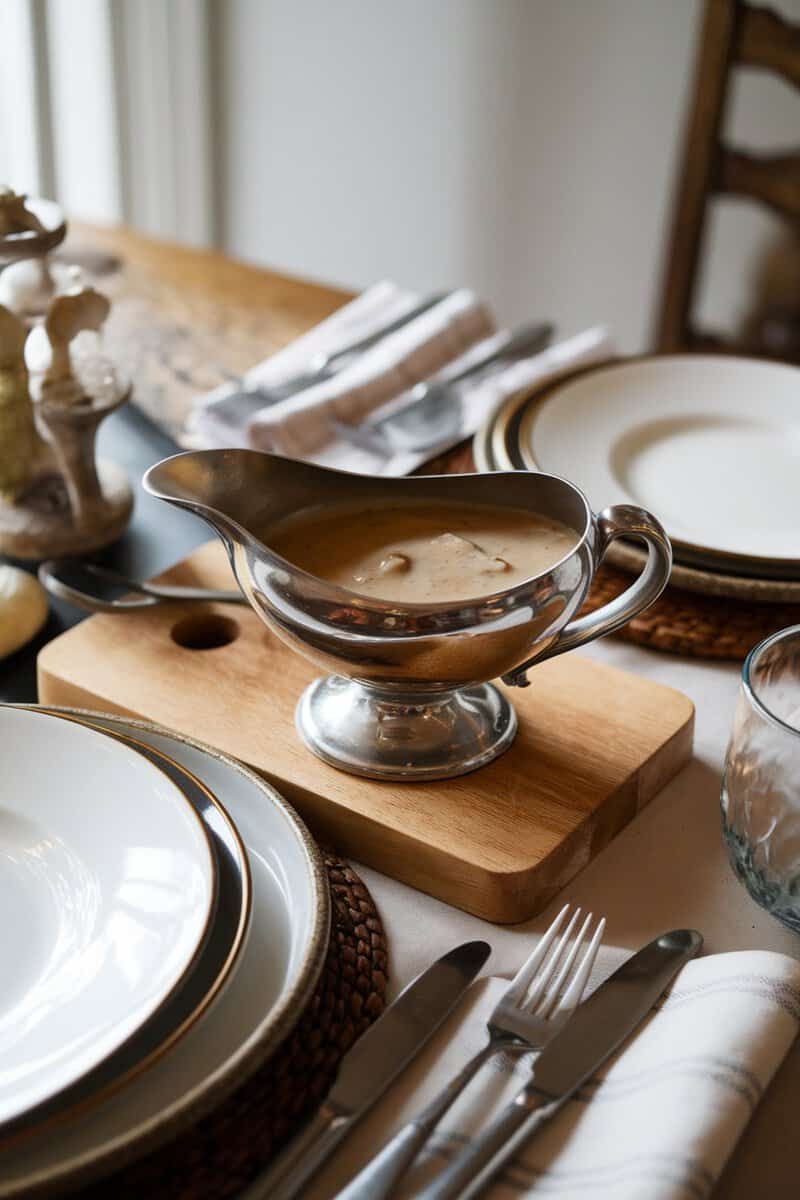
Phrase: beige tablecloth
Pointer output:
(667, 869)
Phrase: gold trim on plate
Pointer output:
(86, 1103)
(10, 1130)
(692, 554)
(155, 1130)
(494, 452)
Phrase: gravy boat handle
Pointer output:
(619, 521)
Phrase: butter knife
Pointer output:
(595, 1030)
(369, 1068)
(238, 406)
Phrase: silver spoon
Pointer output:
(433, 413)
(92, 587)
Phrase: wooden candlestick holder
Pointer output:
(56, 498)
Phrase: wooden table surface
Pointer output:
(184, 320)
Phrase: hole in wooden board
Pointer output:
(205, 631)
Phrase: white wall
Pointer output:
(24, 126)
(525, 147)
(105, 105)
(83, 109)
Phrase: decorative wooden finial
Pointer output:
(13, 333)
(21, 447)
(15, 217)
(68, 315)
(56, 496)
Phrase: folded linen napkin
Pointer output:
(659, 1120)
(438, 343)
(397, 362)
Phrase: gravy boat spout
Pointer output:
(408, 693)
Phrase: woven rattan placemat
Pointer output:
(687, 623)
(223, 1152)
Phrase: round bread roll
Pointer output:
(23, 608)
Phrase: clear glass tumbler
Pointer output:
(761, 784)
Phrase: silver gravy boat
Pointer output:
(408, 695)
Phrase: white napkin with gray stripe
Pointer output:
(440, 342)
(299, 425)
(658, 1121)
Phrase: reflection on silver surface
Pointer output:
(418, 705)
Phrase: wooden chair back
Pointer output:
(734, 34)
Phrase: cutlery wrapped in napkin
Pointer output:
(659, 1120)
(438, 343)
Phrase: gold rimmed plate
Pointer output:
(278, 969)
(497, 447)
(109, 889)
(709, 442)
(210, 974)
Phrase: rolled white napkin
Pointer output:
(659, 1120)
(300, 426)
(398, 361)
(437, 344)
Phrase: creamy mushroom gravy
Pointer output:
(419, 553)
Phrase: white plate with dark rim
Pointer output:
(711, 444)
(275, 979)
(108, 887)
(201, 986)
(495, 448)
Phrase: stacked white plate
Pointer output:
(166, 919)
(710, 444)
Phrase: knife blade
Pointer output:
(370, 1066)
(596, 1029)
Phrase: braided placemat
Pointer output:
(223, 1152)
(687, 623)
(679, 622)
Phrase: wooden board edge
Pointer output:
(524, 899)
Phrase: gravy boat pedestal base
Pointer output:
(404, 736)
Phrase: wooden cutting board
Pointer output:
(595, 745)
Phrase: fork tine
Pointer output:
(542, 980)
(549, 1002)
(521, 981)
(574, 993)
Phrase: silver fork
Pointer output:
(539, 1001)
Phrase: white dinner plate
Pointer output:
(710, 444)
(277, 973)
(202, 985)
(495, 448)
(107, 890)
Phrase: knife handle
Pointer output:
(376, 1180)
(475, 1165)
(306, 1152)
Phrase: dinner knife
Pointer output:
(236, 406)
(595, 1030)
(370, 1066)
